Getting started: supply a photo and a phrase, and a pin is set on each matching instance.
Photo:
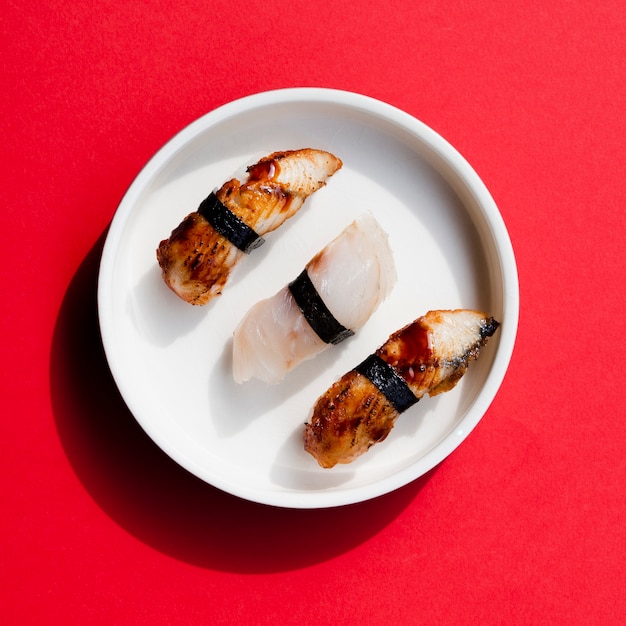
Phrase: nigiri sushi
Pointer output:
(198, 257)
(340, 288)
(428, 356)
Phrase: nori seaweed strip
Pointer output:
(227, 224)
(388, 381)
(316, 313)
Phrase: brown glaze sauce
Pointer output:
(263, 170)
(407, 351)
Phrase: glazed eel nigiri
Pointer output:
(428, 356)
(198, 257)
(332, 298)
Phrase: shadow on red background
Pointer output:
(154, 498)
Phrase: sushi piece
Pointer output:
(332, 298)
(198, 257)
(428, 356)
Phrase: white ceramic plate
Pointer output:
(172, 361)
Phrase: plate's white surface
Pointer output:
(172, 361)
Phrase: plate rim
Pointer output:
(467, 177)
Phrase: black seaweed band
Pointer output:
(227, 224)
(388, 381)
(316, 313)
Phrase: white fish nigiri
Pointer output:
(352, 275)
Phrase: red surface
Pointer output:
(523, 524)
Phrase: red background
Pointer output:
(523, 524)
